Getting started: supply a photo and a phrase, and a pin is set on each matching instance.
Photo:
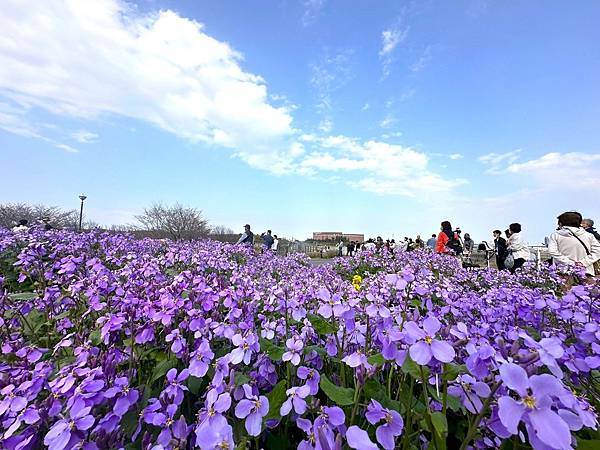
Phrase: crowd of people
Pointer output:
(574, 242)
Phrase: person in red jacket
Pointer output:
(444, 237)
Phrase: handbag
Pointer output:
(509, 261)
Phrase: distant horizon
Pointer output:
(298, 116)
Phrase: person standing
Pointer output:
(499, 249)
(247, 237)
(573, 245)
(268, 240)
(448, 241)
(419, 243)
(517, 246)
(275, 244)
(431, 242)
(350, 248)
(340, 248)
(588, 225)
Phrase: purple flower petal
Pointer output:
(359, 439)
(510, 412)
(550, 428)
(420, 353)
(515, 378)
(442, 351)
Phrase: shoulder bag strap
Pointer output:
(584, 246)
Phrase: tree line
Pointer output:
(176, 221)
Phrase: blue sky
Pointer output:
(375, 117)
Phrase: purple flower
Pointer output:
(217, 436)
(330, 305)
(200, 359)
(60, 434)
(175, 388)
(469, 391)
(253, 409)
(11, 400)
(178, 342)
(356, 359)
(295, 347)
(214, 407)
(246, 346)
(296, 396)
(126, 397)
(534, 406)
(393, 426)
(312, 378)
(425, 345)
(28, 416)
(359, 439)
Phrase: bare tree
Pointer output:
(11, 213)
(221, 230)
(176, 221)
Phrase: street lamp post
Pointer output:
(82, 197)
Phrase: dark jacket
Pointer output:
(500, 247)
(594, 232)
(267, 240)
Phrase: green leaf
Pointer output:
(413, 369)
(23, 296)
(241, 378)
(162, 368)
(276, 398)
(129, 423)
(341, 396)
(320, 350)
(96, 337)
(195, 384)
(439, 423)
(374, 390)
(376, 360)
(320, 325)
(588, 445)
(273, 351)
(451, 371)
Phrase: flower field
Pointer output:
(110, 342)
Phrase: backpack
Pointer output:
(454, 243)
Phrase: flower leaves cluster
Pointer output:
(111, 342)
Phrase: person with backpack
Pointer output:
(573, 245)
(448, 241)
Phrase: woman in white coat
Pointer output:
(572, 245)
(517, 246)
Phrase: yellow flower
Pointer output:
(356, 281)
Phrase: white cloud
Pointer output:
(554, 170)
(497, 162)
(390, 39)
(87, 59)
(561, 170)
(312, 10)
(365, 107)
(66, 148)
(382, 168)
(456, 156)
(84, 136)
(14, 120)
(423, 60)
(387, 121)
(103, 58)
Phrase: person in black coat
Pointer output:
(499, 249)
